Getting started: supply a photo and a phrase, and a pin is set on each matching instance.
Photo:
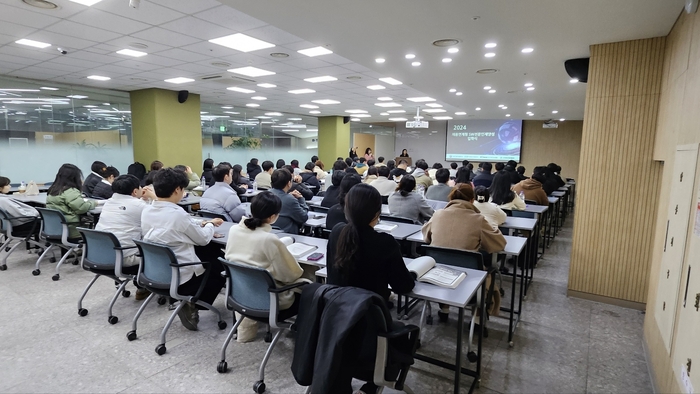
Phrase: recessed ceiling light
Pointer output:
(396, 111)
(263, 117)
(259, 98)
(527, 50)
(434, 110)
(434, 105)
(530, 114)
(325, 78)
(240, 90)
(562, 119)
(460, 113)
(315, 51)
(530, 104)
(490, 54)
(442, 117)
(380, 60)
(355, 111)
(106, 104)
(201, 113)
(391, 81)
(384, 113)
(410, 56)
(314, 112)
(487, 87)
(415, 64)
(241, 42)
(252, 105)
(504, 107)
(273, 113)
(295, 119)
(325, 102)
(492, 91)
(251, 71)
(227, 107)
(77, 96)
(388, 105)
(20, 90)
(232, 112)
(574, 80)
(453, 50)
(98, 78)
(310, 106)
(398, 119)
(478, 108)
(420, 99)
(179, 80)
(363, 115)
(490, 45)
(355, 119)
(89, 106)
(384, 98)
(376, 87)
(453, 90)
(279, 55)
(86, 2)
(458, 94)
(446, 60)
(531, 88)
(131, 52)
(301, 91)
(501, 105)
(32, 43)
(527, 85)
(267, 85)
(507, 115)
(47, 88)
(555, 112)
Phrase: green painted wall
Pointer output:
(333, 139)
(165, 130)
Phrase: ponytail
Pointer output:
(348, 244)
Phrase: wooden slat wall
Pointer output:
(618, 178)
(543, 146)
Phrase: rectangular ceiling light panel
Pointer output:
(242, 42)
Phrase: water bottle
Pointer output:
(203, 183)
(255, 186)
(22, 187)
(521, 195)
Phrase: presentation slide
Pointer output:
(483, 140)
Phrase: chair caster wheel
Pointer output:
(131, 335)
(222, 325)
(7, 249)
(126, 293)
(161, 300)
(82, 312)
(268, 337)
(259, 387)
(222, 367)
(429, 320)
(503, 292)
(52, 260)
(443, 316)
(524, 298)
(113, 320)
(511, 344)
(75, 262)
(56, 277)
(471, 356)
(160, 349)
(3, 267)
(36, 272)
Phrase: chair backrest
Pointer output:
(509, 212)
(318, 208)
(436, 204)
(54, 223)
(326, 233)
(155, 270)
(523, 214)
(398, 219)
(248, 288)
(530, 202)
(212, 215)
(100, 249)
(5, 224)
(455, 257)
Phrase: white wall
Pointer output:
(384, 146)
(428, 144)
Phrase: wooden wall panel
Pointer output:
(618, 178)
(544, 146)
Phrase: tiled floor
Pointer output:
(562, 345)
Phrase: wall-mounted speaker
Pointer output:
(578, 68)
(346, 119)
(182, 96)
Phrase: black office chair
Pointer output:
(385, 199)
(212, 215)
(398, 219)
(465, 259)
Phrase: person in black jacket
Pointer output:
(309, 177)
(399, 171)
(103, 189)
(96, 176)
(337, 212)
(512, 174)
(552, 181)
(252, 168)
(330, 197)
(239, 183)
(207, 168)
(298, 185)
(484, 177)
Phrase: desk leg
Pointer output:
(458, 355)
(482, 306)
(511, 320)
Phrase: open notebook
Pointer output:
(385, 227)
(297, 249)
(426, 271)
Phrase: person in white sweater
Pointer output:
(490, 211)
(263, 250)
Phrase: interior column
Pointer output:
(333, 139)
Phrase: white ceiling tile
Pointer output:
(74, 29)
(198, 28)
(92, 57)
(26, 17)
(199, 69)
(160, 60)
(65, 10)
(188, 6)
(61, 41)
(137, 65)
(273, 35)
(4, 39)
(32, 53)
(31, 74)
(124, 42)
(79, 64)
(209, 49)
(6, 67)
(356, 68)
(165, 37)
(101, 51)
(107, 21)
(308, 63)
(230, 18)
(148, 12)
(47, 70)
(15, 30)
(182, 55)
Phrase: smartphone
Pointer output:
(219, 235)
(315, 256)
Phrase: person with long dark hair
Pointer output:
(239, 183)
(336, 214)
(407, 203)
(207, 168)
(65, 196)
(463, 175)
(501, 193)
(263, 250)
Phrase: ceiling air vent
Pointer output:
(43, 4)
(487, 71)
(446, 42)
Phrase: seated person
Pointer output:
(319, 169)
(220, 198)
(380, 162)
(337, 212)
(309, 176)
(332, 192)
(532, 187)
(553, 181)
(409, 204)
(453, 170)
(433, 170)
(263, 179)
(64, 195)
(339, 165)
(297, 184)
(148, 179)
(440, 191)
(361, 166)
(24, 214)
(502, 195)
(194, 180)
(512, 174)
(263, 250)
(165, 222)
(96, 175)
(294, 212)
(207, 168)
(399, 171)
(103, 189)
(238, 182)
(280, 163)
(493, 214)
(372, 175)
(121, 216)
(383, 184)
(252, 168)
(484, 178)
